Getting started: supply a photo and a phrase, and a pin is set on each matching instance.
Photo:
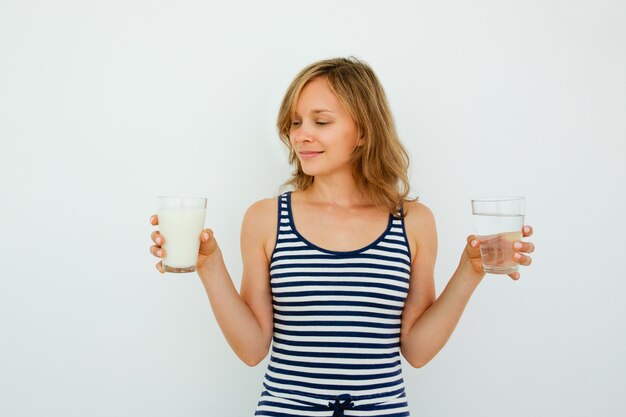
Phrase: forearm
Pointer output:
(235, 318)
(431, 331)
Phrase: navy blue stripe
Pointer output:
(337, 334)
(340, 254)
(337, 323)
(339, 266)
(333, 303)
(339, 284)
(339, 274)
(338, 293)
(347, 377)
(317, 407)
(328, 365)
(344, 388)
(337, 313)
(337, 355)
(328, 256)
(351, 345)
(389, 394)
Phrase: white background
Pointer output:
(104, 105)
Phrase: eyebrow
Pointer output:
(318, 111)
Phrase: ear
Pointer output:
(361, 141)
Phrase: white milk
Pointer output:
(181, 228)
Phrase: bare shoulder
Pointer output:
(420, 226)
(259, 224)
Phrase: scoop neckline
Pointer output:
(334, 252)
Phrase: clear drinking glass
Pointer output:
(181, 221)
(498, 222)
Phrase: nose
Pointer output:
(301, 134)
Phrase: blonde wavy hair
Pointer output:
(381, 163)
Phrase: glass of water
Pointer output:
(498, 222)
(181, 220)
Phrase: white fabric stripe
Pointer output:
(284, 236)
(339, 261)
(341, 361)
(378, 251)
(356, 383)
(337, 318)
(330, 349)
(355, 280)
(359, 329)
(355, 309)
(285, 291)
(334, 393)
(344, 271)
(335, 371)
(294, 398)
(388, 401)
(286, 400)
(305, 251)
(398, 238)
(291, 245)
(338, 339)
(392, 245)
(331, 298)
(301, 413)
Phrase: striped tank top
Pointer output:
(336, 341)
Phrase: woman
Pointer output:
(338, 273)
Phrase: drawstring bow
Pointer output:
(342, 402)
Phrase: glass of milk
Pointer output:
(498, 222)
(181, 221)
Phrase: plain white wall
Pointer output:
(104, 105)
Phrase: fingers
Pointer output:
(473, 241)
(522, 259)
(157, 251)
(206, 235)
(527, 231)
(156, 237)
(515, 276)
(526, 247)
(208, 244)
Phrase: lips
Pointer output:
(310, 154)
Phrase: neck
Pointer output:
(343, 195)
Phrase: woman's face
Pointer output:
(322, 133)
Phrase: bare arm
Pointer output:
(427, 323)
(245, 318)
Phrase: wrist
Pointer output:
(209, 264)
(469, 275)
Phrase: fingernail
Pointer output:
(518, 256)
(517, 245)
(526, 229)
(159, 252)
(474, 243)
(158, 240)
(206, 236)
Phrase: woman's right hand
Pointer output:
(208, 246)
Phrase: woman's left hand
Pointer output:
(472, 262)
